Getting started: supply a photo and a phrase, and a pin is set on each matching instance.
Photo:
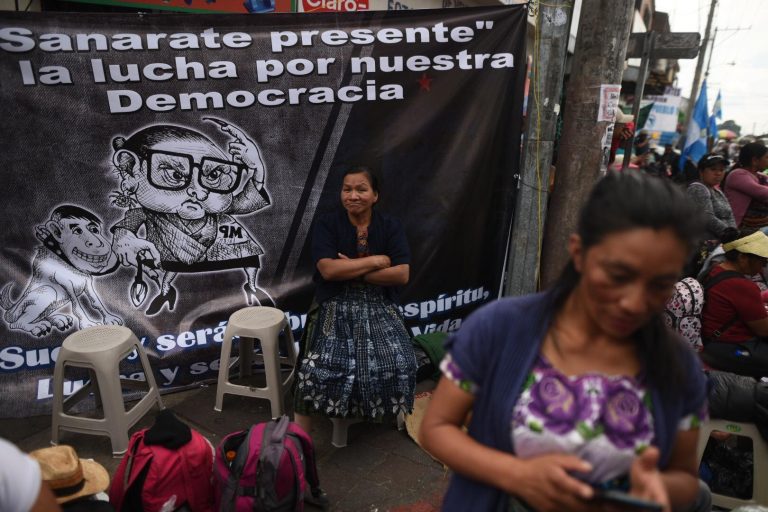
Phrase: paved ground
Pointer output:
(381, 468)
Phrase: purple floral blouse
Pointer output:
(605, 420)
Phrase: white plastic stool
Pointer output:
(264, 324)
(100, 350)
(341, 426)
(759, 457)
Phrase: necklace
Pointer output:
(362, 242)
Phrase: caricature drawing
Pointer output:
(74, 250)
(183, 190)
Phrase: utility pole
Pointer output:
(711, 52)
(553, 23)
(598, 59)
(649, 41)
(700, 65)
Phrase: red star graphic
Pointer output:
(425, 82)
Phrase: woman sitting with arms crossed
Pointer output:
(734, 319)
(582, 385)
(358, 361)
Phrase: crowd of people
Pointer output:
(546, 401)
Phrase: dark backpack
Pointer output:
(266, 468)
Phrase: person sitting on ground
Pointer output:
(706, 193)
(746, 187)
(711, 200)
(581, 386)
(734, 318)
(21, 484)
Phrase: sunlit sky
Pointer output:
(740, 60)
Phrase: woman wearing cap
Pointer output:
(734, 319)
(710, 199)
(746, 187)
(580, 387)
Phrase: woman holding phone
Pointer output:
(580, 389)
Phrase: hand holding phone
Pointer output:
(624, 501)
(646, 481)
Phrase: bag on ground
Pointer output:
(166, 468)
(269, 467)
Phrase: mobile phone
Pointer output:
(627, 502)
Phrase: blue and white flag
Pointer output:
(696, 136)
(717, 113)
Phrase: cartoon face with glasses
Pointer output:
(175, 171)
(182, 189)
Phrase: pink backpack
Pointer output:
(266, 468)
(165, 479)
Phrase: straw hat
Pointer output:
(756, 243)
(69, 476)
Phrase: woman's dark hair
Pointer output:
(750, 151)
(369, 174)
(141, 141)
(621, 202)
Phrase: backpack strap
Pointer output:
(316, 496)
(709, 282)
(230, 491)
(272, 450)
(136, 441)
(308, 451)
(693, 296)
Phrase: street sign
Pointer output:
(667, 45)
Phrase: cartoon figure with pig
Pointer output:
(184, 192)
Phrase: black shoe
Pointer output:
(158, 302)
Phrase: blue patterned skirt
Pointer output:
(357, 360)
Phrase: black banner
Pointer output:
(163, 171)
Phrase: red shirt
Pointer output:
(731, 298)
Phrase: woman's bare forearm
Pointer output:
(392, 276)
(682, 488)
(344, 269)
(457, 450)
